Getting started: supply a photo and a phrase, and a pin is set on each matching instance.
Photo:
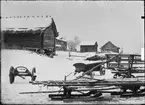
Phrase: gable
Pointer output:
(109, 45)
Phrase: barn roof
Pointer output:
(109, 42)
(88, 43)
(25, 23)
(28, 23)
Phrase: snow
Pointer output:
(46, 69)
(27, 22)
(87, 43)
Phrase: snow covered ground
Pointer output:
(47, 69)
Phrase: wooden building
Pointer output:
(109, 47)
(89, 47)
(30, 33)
(61, 44)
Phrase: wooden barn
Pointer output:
(109, 47)
(29, 33)
(89, 47)
(61, 44)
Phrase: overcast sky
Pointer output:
(119, 22)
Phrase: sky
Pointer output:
(102, 21)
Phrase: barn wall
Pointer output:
(22, 41)
(90, 48)
(110, 49)
(49, 39)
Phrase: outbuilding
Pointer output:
(89, 47)
(109, 47)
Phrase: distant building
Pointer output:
(61, 44)
(109, 46)
(89, 47)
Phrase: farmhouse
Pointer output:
(30, 33)
(89, 47)
(109, 47)
(61, 44)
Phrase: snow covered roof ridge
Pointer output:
(109, 42)
(26, 23)
(87, 43)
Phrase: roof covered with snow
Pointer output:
(87, 43)
(26, 23)
(60, 38)
(108, 43)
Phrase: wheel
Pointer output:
(12, 78)
(132, 76)
(116, 75)
(11, 74)
(103, 72)
(33, 76)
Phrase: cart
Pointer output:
(21, 71)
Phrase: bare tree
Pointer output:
(76, 41)
(72, 44)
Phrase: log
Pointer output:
(132, 95)
(75, 90)
(109, 83)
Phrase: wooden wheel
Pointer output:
(33, 77)
(11, 74)
(117, 75)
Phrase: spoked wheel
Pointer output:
(12, 74)
(33, 77)
(117, 75)
(102, 71)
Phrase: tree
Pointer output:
(72, 44)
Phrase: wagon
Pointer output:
(125, 65)
(83, 67)
(21, 71)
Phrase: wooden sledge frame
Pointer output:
(131, 60)
(70, 85)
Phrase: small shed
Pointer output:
(61, 44)
(89, 47)
(109, 47)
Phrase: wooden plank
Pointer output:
(132, 95)
(123, 55)
(61, 95)
(132, 71)
(88, 99)
(109, 83)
